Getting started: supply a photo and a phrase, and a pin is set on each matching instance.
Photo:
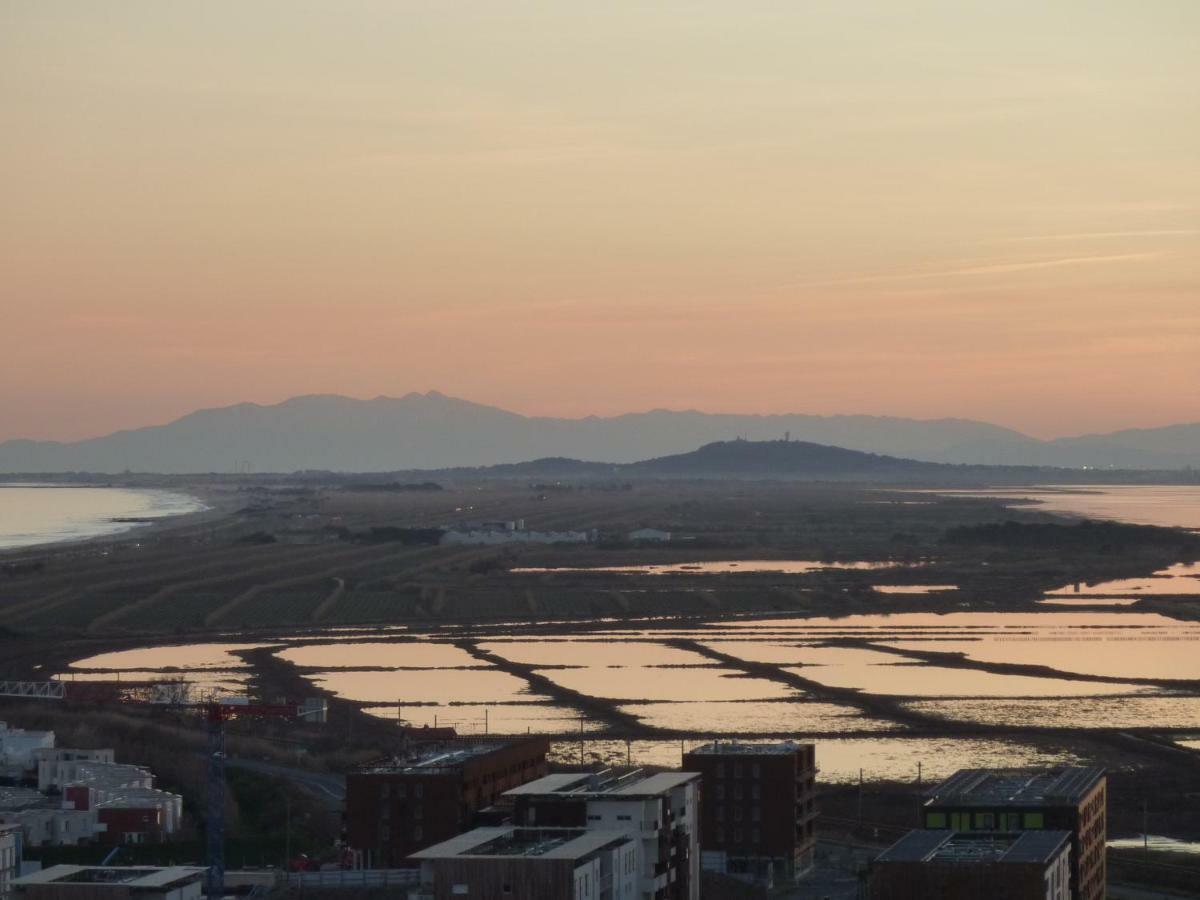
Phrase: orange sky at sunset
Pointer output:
(921, 209)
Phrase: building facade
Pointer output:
(661, 809)
(398, 807)
(508, 862)
(1032, 865)
(1069, 798)
(758, 808)
(10, 858)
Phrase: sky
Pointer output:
(985, 210)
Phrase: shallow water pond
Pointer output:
(840, 759)
(409, 654)
(642, 683)
(426, 686)
(181, 656)
(1084, 712)
(755, 717)
(494, 718)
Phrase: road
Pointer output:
(330, 790)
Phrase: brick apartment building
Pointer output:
(400, 806)
(1070, 798)
(974, 866)
(758, 808)
(660, 810)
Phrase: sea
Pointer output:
(34, 514)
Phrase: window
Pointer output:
(755, 791)
(720, 792)
(757, 770)
(755, 837)
(985, 821)
(721, 813)
(935, 820)
(418, 832)
(418, 790)
(737, 770)
(756, 813)
(737, 792)
(1034, 820)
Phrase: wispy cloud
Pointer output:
(995, 268)
(1099, 235)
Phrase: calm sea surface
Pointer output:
(42, 514)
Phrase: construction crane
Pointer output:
(216, 714)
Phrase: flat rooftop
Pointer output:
(737, 748)
(511, 841)
(132, 877)
(602, 784)
(431, 759)
(957, 848)
(1016, 787)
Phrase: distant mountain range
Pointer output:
(433, 431)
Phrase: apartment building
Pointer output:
(504, 863)
(661, 809)
(399, 806)
(1068, 798)
(758, 808)
(974, 866)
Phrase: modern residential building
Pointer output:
(117, 882)
(508, 862)
(978, 865)
(10, 858)
(758, 808)
(403, 805)
(51, 826)
(1070, 798)
(661, 809)
(57, 766)
(1032, 865)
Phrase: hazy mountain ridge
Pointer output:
(433, 431)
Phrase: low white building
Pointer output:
(10, 857)
(57, 766)
(649, 534)
(17, 745)
(47, 826)
(506, 536)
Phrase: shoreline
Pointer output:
(214, 505)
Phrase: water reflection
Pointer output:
(502, 718)
(757, 718)
(418, 654)
(426, 686)
(1183, 578)
(722, 567)
(181, 656)
(1116, 654)
(841, 759)
(593, 653)
(1084, 712)
(642, 683)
